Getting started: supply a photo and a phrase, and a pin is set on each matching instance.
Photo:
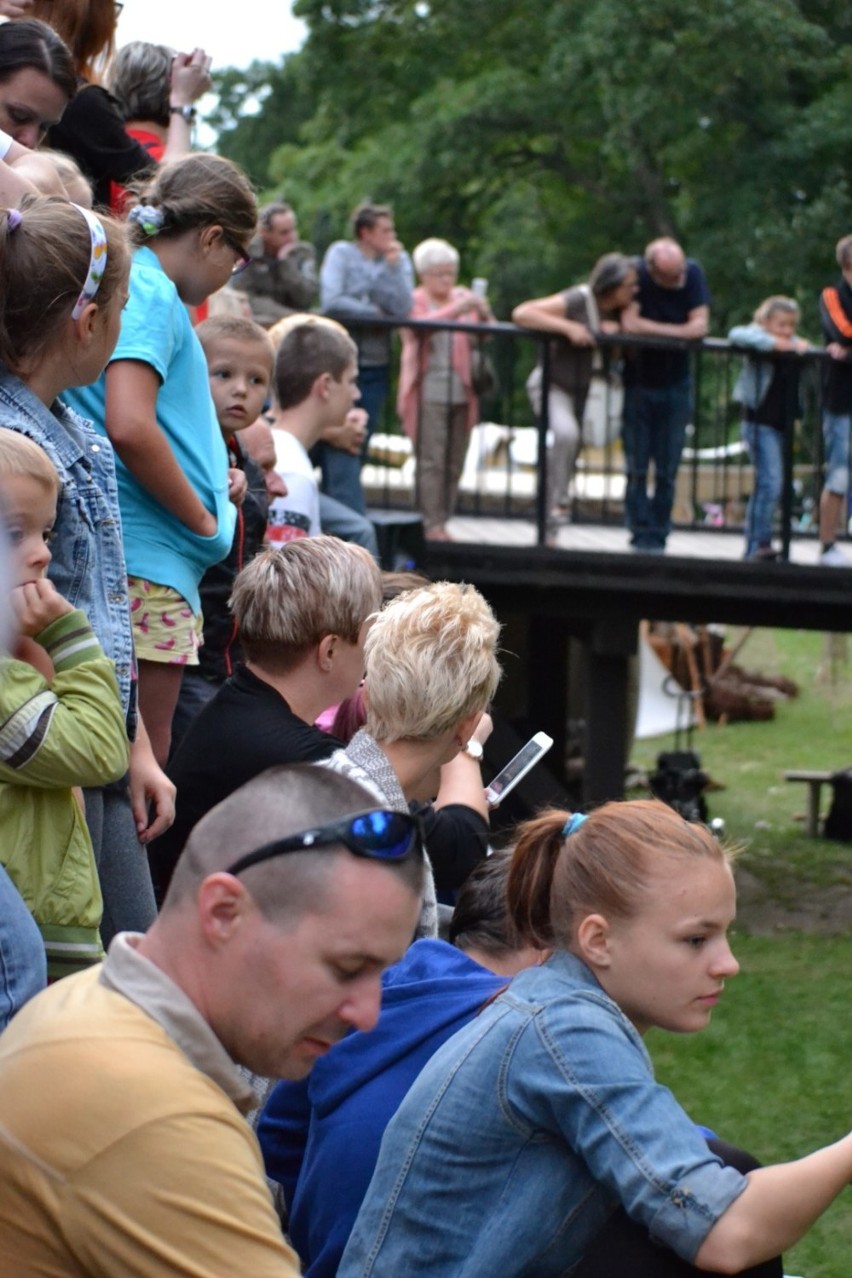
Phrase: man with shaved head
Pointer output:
(672, 302)
(123, 1146)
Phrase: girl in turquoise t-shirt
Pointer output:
(190, 229)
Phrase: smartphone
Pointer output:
(479, 286)
(526, 758)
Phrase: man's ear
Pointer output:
(593, 941)
(322, 386)
(326, 649)
(222, 902)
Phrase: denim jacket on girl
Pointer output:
(88, 559)
(756, 375)
(521, 1136)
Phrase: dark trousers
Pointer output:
(623, 1249)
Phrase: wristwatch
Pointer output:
(188, 112)
(473, 748)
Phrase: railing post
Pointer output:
(541, 511)
(787, 368)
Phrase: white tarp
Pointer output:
(657, 712)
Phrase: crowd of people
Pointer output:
(646, 394)
(241, 794)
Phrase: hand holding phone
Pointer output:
(517, 768)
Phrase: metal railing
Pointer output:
(505, 474)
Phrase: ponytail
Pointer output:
(566, 868)
(195, 191)
(530, 885)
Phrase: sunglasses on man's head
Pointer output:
(378, 834)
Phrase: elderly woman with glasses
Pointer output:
(437, 402)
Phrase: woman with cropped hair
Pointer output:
(432, 669)
(436, 402)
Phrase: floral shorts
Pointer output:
(164, 626)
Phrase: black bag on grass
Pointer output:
(680, 782)
(838, 823)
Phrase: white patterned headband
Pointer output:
(97, 261)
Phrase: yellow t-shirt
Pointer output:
(118, 1157)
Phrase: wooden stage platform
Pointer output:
(592, 587)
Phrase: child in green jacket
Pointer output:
(61, 725)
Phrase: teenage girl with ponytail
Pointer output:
(63, 283)
(532, 1132)
(190, 231)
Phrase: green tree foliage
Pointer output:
(538, 137)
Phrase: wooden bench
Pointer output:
(814, 781)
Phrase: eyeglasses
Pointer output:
(236, 247)
(378, 835)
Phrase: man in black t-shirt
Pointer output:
(673, 302)
(302, 611)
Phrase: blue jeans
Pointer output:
(765, 448)
(655, 420)
(23, 966)
(341, 472)
(835, 432)
(122, 862)
(341, 521)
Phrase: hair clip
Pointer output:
(15, 219)
(573, 824)
(97, 261)
(151, 219)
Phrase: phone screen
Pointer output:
(517, 766)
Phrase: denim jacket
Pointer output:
(756, 375)
(521, 1136)
(88, 559)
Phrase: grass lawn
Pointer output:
(759, 807)
(773, 1073)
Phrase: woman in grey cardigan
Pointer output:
(573, 316)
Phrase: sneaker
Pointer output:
(834, 558)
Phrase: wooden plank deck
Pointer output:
(607, 540)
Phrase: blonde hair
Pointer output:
(229, 301)
(235, 328)
(290, 597)
(20, 457)
(431, 661)
(777, 304)
(604, 867)
(77, 186)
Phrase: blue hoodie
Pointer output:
(320, 1137)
